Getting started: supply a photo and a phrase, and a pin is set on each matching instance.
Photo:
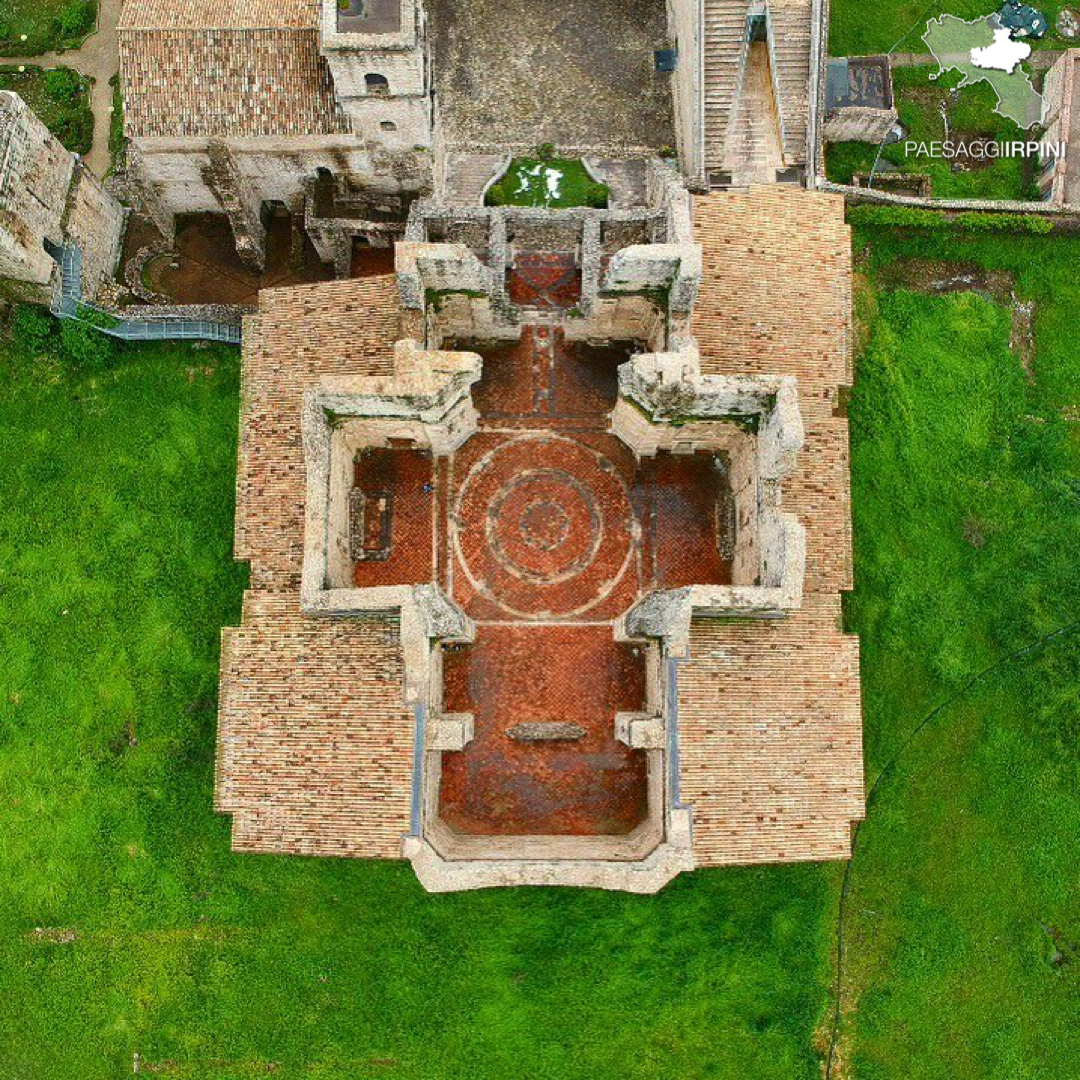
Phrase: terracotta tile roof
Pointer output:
(770, 734)
(224, 68)
(219, 14)
(315, 746)
(770, 712)
(776, 299)
(315, 743)
(299, 334)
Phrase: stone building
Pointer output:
(343, 112)
(859, 99)
(48, 199)
(1059, 174)
(237, 107)
(547, 536)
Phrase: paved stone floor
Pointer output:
(575, 73)
(547, 530)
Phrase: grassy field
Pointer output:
(61, 99)
(971, 118)
(127, 926)
(46, 24)
(859, 29)
(962, 950)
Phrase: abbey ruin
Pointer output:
(546, 504)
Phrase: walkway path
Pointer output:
(1039, 60)
(97, 60)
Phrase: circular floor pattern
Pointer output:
(544, 527)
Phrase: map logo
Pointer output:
(983, 50)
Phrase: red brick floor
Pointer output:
(541, 381)
(408, 476)
(513, 674)
(549, 531)
(545, 281)
(676, 496)
(544, 527)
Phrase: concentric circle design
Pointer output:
(543, 526)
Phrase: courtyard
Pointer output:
(580, 76)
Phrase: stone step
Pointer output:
(468, 175)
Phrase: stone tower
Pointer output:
(377, 56)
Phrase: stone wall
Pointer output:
(1058, 94)
(95, 221)
(179, 175)
(642, 292)
(35, 177)
(857, 124)
(46, 194)
(685, 28)
(754, 421)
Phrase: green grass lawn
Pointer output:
(61, 99)
(963, 933)
(859, 29)
(46, 24)
(547, 181)
(971, 118)
(116, 575)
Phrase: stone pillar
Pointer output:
(239, 203)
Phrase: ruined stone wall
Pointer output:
(685, 29)
(1057, 97)
(35, 176)
(95, 221)
(857, 124)
(46, 194)
(276, 168)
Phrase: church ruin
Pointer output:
(546, 509)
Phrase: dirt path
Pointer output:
(97, 60)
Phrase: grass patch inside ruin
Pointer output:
(60, 97)
(971, 119)
(547, 181)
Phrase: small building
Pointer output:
(235, 107)
(1059, 173)
(859, 104)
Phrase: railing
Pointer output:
(69, 304)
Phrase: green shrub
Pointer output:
(33, 329)
(76, 19)
(64, 84)
(86, 347)
(977, 222)
(912, 217)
